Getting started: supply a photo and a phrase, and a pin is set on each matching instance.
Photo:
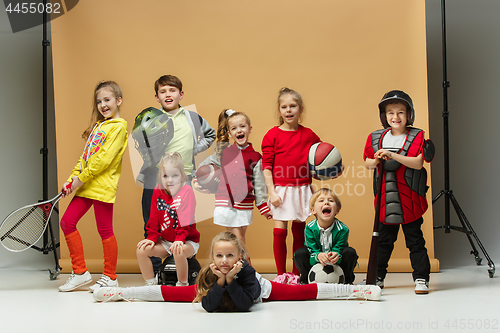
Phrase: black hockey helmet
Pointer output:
(396, 96)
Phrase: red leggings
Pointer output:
(78, 206)
(279, 292)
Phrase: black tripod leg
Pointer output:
(54, 274)
(467, 225)
(467, 230)
(437, 197)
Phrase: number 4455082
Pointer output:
(33, 7)
(471, 324)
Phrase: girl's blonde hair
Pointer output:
(223, 129)
(296, 97)
(207, 279)
(175, 160)
(96, 115)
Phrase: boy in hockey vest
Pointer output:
(403, 200)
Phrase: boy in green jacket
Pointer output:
(326, 238)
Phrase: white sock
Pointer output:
(333, 290)
(145, 293)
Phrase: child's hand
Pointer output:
(143, 244)
(275, 199)
(198, 187)
(268, 215)
(384, 154)
(221, 278)
(235, 270)
(333, 257)
(177, 247)
(323, 258)
(76, 183)
(66, 190)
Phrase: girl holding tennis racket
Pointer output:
(94, 181)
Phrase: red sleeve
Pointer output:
(316, 138)
(185, 212)
(268, 143)
(153, 225)
(368, 153)
(418, 145)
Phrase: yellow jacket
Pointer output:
(100, 165)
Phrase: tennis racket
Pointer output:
(24, 227)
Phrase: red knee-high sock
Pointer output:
(279, 248)
(287, 292)
(298, 240)
(178, 294)
(75, 246)
(110, 249)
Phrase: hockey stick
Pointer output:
(371, 272)
(25, 226)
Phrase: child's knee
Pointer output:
(349, 253)
(181, 253)
(302, 254)
(142, 252)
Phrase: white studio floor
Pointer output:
(462, 299)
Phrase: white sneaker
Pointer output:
(366, 292)
(151, 282)
(181, 284)
(421, 286)
(76, 281)
(104, 281)
(109, 294)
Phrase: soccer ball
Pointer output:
(326, 274)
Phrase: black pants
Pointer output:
(347, 263)
(415, 242)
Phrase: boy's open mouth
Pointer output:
(327, 210)
(240, 136)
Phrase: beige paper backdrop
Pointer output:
(342, 56)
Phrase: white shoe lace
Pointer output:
(115, 296)
(359, 294)
(70, 278)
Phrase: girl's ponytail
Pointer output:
(222, 132)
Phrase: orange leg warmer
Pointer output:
(75, 246)
(110, 249)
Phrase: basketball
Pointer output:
(324, 161)
(326, 274)
(208, 176)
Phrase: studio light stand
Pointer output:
(448, 194)
(48, 245)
